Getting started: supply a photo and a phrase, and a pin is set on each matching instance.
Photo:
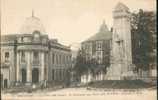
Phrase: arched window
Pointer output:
(36, 35)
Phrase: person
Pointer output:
(42, 85)
(33, 86)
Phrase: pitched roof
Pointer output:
(103, 34)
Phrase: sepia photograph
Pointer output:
(78, 49)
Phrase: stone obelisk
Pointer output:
(121, 54)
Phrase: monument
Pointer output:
(121, 57)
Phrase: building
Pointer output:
(30, 57)
(98, 47)
(121, 55)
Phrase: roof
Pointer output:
(103, 34)
(6, 38)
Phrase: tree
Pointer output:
(80, 65)
(143, 26)
(92, 65)
(83, 66)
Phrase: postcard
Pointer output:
(78, 49)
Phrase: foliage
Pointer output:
(83, 66)
(143, 26)
(80, 65)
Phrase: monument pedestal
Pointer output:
(118, 72)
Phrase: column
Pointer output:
(31, 60)
(42, 66)
(28, 67)
(17, 68)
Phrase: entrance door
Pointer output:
(5, 83)
(23, 75)
(35, 75)
(1, 80)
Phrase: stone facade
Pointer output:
(31, 57)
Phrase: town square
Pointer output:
(58, 49)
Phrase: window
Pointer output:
(45, 72)
(36, 57)
(68, 57)
(64, 59)
(110, 44)
(57, 59)
(6, 56)
(53, 56)
(53, 75)
(36, 35)
(22, 39)
(99, 56)
(23, 56)
(99, 45)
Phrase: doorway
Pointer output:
(5, 83)
(35, 75)
(23, 75)
(1, 80)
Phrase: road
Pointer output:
(84, 94)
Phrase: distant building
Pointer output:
(31, 57)
(98, 47)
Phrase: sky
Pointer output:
(70, 21)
